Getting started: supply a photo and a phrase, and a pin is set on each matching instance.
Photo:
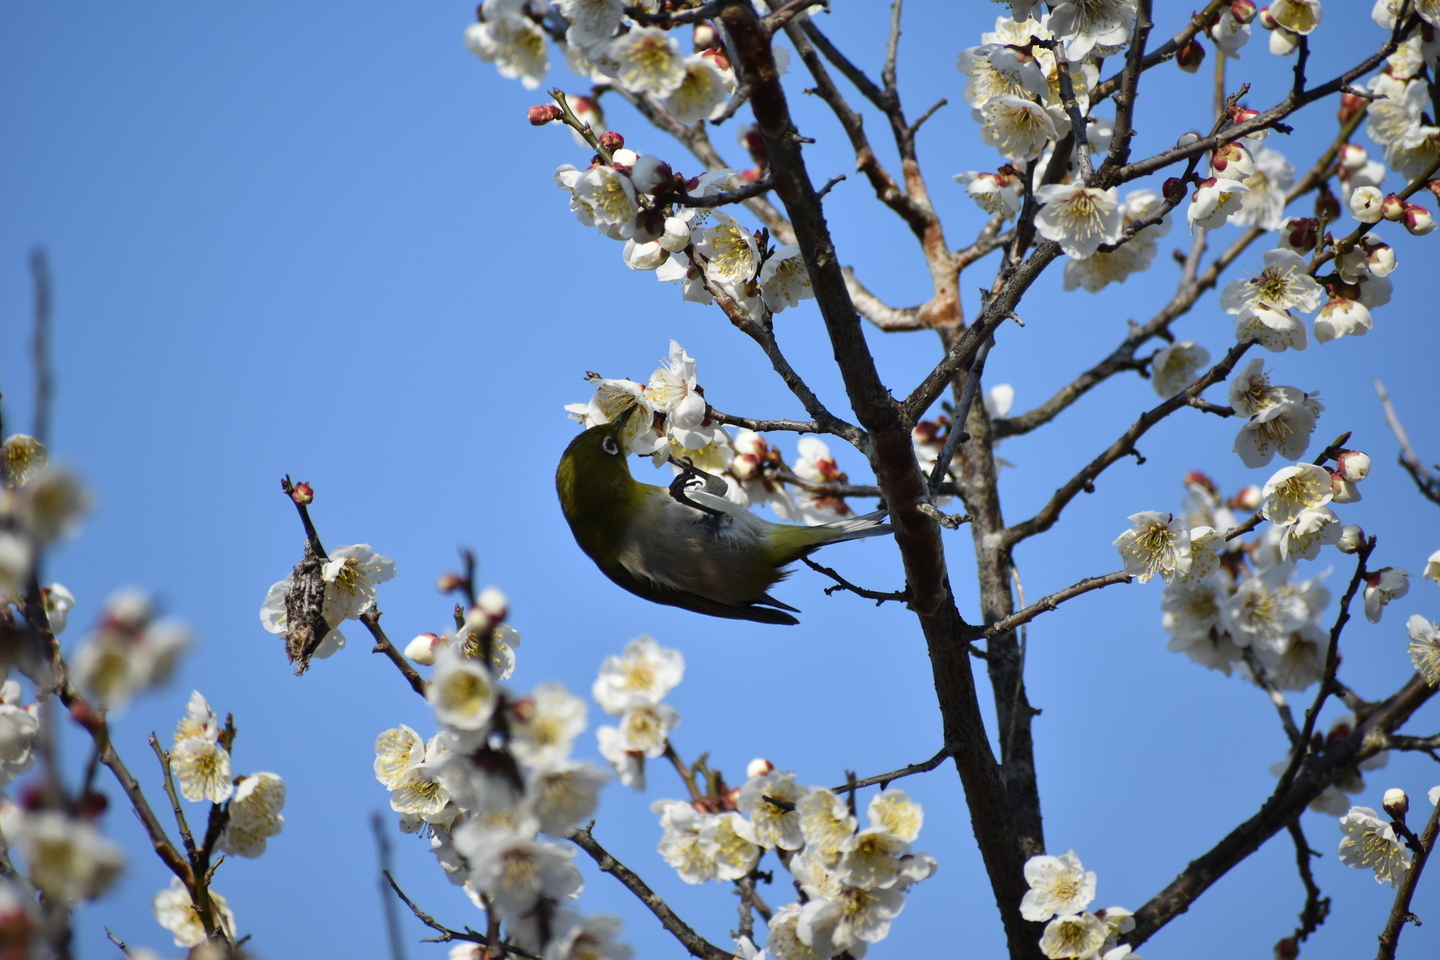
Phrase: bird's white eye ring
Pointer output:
(610, 446)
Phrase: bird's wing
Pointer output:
(659, 592)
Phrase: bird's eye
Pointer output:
(610, 446)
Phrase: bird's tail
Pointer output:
(854, 528)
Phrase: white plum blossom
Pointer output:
(1214, 202)
(1263, 203)
(609, 198)
(562, 794)
(1018, 128)
(1228, 33)
(648, 60)
(611, 400)
(776, 825)
(512, 41)
(591, 21)
(1078, 935)
(784, 281)
(729, 250)
(545, 724)
(1251, 390)
(1059, 886)
(175, 912)
(1292, 490)
(461, 692)
(1078, 218)
(701, 94)
(1174, 367)
(19, 726)
(254, 815)
(995, 193)
(826, 822)
(1297, 16)
(1312, 528)
(1284, 428)
(1158, 543)
(66, 858)
(1382, 586)
(1425, 648)
(1101, 268)
(1088, 24)
(516, 872)
(592, 938)
(351, 575)
(1365, 203)
(680, 846)
(1342, 318)
(1265, 610)
(644, 673)
(1370, 843)
(1192, 610)
(1283, 284)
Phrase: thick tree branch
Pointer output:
(1400, 913)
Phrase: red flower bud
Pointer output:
(1197, 479)
(1350, 105)
(611, 140)
(1392, 208)
(1287, 949)
(1267, 20)
(1190, 57)
(86, 715)
(704, 36)
(1174, 189)
(1243, 11)
(449, 582)
(1327, 205)
(543, 113)
(303, 494)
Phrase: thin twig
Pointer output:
(885, 779)
(392, 920)
(721, 199)
(1400, 912)
(1047, 603)
(842, 584)
(118, 942)
(957, 434)
(697, 945)
(371, 619)
(686, 774)
(1316, 908)
(1282, 707)
(1426, 482)
(761, 426)
(44, 314)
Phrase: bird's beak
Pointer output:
(624, 417)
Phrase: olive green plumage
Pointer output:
(710, 555)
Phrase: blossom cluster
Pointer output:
(1386, 847)
(39, 504)
(495, 777)
(248, 805)
(668, 417)
(853, 881)
(1060, 891)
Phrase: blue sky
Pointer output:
(322, 240)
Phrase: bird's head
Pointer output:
(593, 478)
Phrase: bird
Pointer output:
(686, 545)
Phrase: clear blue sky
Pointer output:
(321, 240)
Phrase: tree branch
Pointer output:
(1425, 482)
(697, 945)
(1400, 912)
(885, 779)
(1048, 603)
(371, 619)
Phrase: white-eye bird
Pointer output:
(685, 546)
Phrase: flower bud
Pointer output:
(644, 256)
(751, 174)
(1327, 205)
(1353, 157)
(623, 158)
(1350, 104)
(1379, 259)
(1353, 465)
(649, 225)
(449, 582)
(1247, 498)
(650, 174)
(612, 141)
(1343, 490)
(705, 36)
(676, 235)
(543, 113)
(1243, 11)
(493, 602)
(1300, 233)
(1174, 189)
(1287, 949)
(754, 142)
(422, 649)
(1187, 138)
(1197, 479)
(759, 767)
(1352, 538)
(1392, 208)
(522, 710)
(91, 805)
(1434, 187)
(1267, 20)
(1418, 220)
(1365, 204)
(745, 467)
(1396, 803)
(1190, 57)
(303, 494)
